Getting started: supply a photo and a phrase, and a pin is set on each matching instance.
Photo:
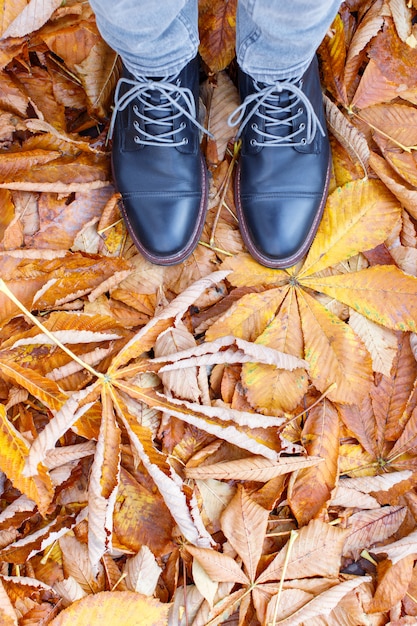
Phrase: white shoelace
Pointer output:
(264, 97)
(170, 109)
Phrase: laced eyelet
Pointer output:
(254, 126)
(253, 142)
(185, 141)
(300, 110)
(182, 125)
(303, 141)
(301, 82)
(136, 139)
(301, 126)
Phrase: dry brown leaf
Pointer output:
(255, 468)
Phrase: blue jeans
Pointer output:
(275, 39)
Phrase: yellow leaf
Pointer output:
(13, 454)
(118, 608)
(246, 272)
(248, 317)
(382, 293)
(334, 353)
(273, 390)
(357, 217)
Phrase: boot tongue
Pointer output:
(277, 107)
(156, 110)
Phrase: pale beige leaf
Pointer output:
(380, 342)
(413, 344)
(98, 75)
(290, 601)
(347, 134)
(369, 527)
(69, 590)
(178, 616)
(66, 454)
(220, 567)
(181, 383)
(33, 16)
(406, 259)
(384, 482)
(56, 187)
(315, 552)
(320, 605)
(244, 523)
(399, 549)
(206, 586)
(224, 100)
(248, 351)
(77, 566)
(341, 496)
(216, 495)
(66, 337)
(255, 468)
(402, 15)
(142, 572)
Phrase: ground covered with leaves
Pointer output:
(214, 442)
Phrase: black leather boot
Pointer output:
(283, 173)
(157, 164)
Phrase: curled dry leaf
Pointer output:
(347, 134)
(255, 468)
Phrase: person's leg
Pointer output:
(283, 174)
(277, 39)
(157, 164)
(152, 38)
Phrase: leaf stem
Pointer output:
(4, 289)
(232, 163)
(291, 541)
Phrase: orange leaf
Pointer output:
(311, 487)
(393, 581)
(217, 26)
(334, 353)
(13, 454)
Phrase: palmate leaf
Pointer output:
(384, 294)
(358, 216)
